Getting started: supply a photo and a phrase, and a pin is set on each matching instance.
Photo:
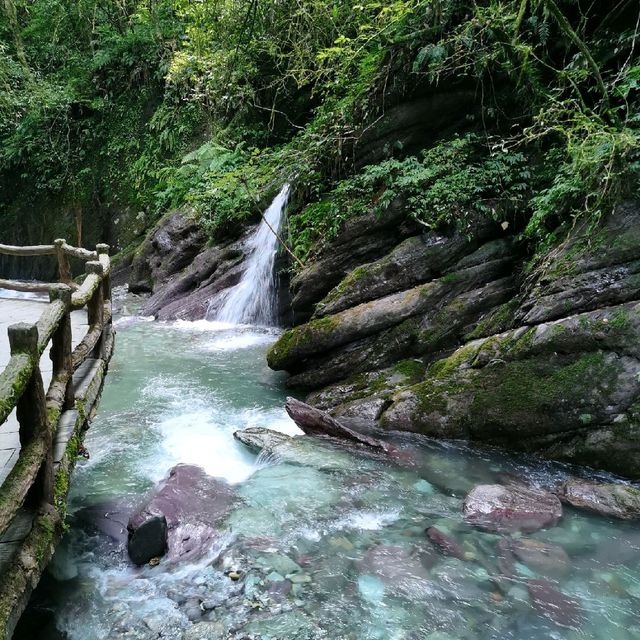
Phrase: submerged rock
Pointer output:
(192, 504)
(608, 499)
(553, 604)
(543, 557)
(447, 544)
(400, 571)
(508, 509)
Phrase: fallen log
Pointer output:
(315, 422)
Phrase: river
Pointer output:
(354, 525)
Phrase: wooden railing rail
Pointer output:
(21, 385)
(61, 250)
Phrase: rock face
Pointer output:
(181, 516)
(439, 334)
(612, 500)
(493, 507)
(183, 274)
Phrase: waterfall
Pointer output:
(252, 300)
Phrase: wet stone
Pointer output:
(447, 544)
(607, 499)
(205, 631)
(148, 541)
(508, 509)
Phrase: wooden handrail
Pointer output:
(62, 251)
(21, 381)
(26, 287)
(79, 252)
(38, 250)
(13, 382)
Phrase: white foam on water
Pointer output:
(201, 325)
(129, 321)
(203, 434)
(197, 437)
(236, 342)
(368, 520)
(275, 419)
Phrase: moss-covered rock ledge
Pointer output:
(567, 389)
(544, 360)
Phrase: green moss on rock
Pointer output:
(282, 353)
(411, 369)
(498, 320)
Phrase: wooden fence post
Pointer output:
(106, 282)
(61, 345)
(64, 270)
(95, 307)
(31, 408)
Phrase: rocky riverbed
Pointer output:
(302, 536)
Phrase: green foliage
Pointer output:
(84, 116)
(452, 185)
(102, 103)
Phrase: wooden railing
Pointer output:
(21, 385)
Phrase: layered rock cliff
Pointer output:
(459, 337)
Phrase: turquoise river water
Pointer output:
(345, 527)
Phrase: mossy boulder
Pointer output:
(368, 318)
(536, 389)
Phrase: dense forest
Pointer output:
(113, 112)
(374, 271)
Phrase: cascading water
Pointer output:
(252, 300)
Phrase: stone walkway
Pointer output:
(25, 309)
